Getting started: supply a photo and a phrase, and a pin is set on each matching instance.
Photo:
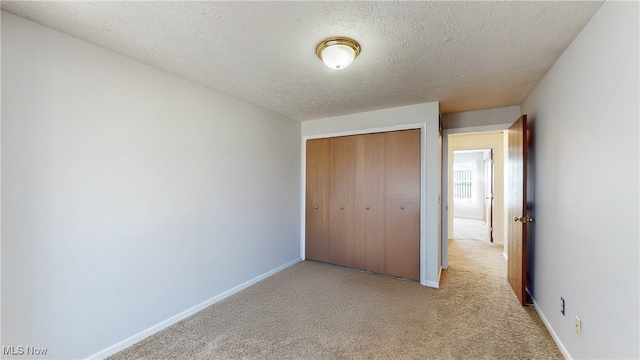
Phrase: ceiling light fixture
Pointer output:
(337, 52)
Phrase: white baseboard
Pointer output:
(433, 284)
(174, 319)
(555, 337)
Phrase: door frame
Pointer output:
(445, 180)
(423, 187)
(489, 173)
(484, 173)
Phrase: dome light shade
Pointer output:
(338, 52)
(338, 56)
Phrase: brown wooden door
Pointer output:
(370, 203)
(342, 174)
(402, 169)
(317, 200)
(517, 212)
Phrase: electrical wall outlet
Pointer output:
(562, 305)
(578, 326)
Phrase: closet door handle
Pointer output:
(367, 208)
(341, 207)
(316, 207)
(402, 207)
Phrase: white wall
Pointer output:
(425, 116)
(129, 195)
(584, 116)
(487, 117)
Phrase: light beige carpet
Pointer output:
(470, 229)
(319, 311)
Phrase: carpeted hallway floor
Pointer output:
(319, 311)
(470, 229)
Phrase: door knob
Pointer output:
(316, 207)
(367, 208)
(402, 207)
(341, 207)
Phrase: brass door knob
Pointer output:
(402, 207)
(367, 208)
(316, 206)
(341, 207)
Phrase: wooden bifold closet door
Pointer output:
(370, 203)
(317, 200)
(403, 204)
(363, 202)
(342, 189)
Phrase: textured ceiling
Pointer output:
(467, 55)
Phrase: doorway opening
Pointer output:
(473, 195)
(474, 212)
(510, 208)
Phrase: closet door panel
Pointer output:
(403, 238)
(403, 164)
(370, 203)
(342, 200)
(317, 200)
(402, 169)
